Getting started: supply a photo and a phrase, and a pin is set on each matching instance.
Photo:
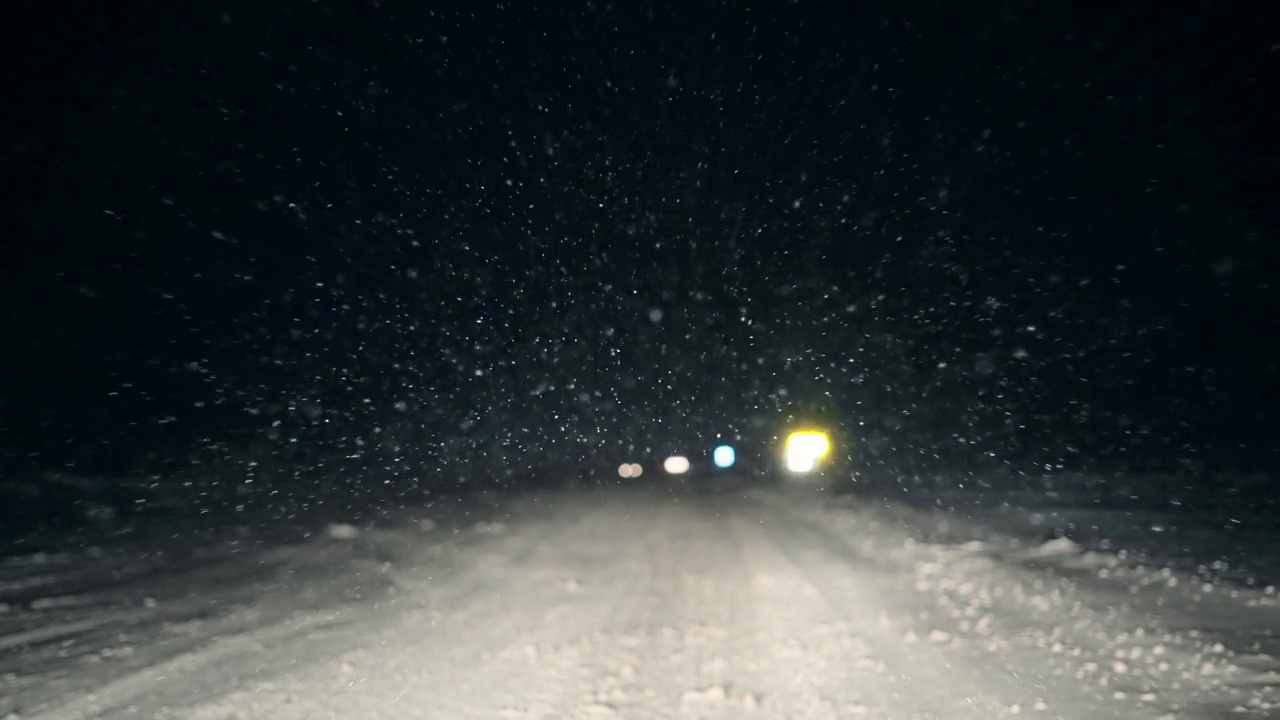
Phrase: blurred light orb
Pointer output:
(676, 465)
(804, 449)
(630, 470)
(624, 470)
(800, 463)
(724, 456)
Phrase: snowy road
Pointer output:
(642, 603)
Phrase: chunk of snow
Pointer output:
(939, 637)
(342, 531)
(1092, 560)
(1056, 547)
(714, 695)
(598, 710)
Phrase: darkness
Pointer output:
(336, 248)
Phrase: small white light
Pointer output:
(676, 465)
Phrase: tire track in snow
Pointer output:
(507, 641)
(641, 604)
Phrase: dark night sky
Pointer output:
(359, 227)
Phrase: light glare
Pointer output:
(800, 463)
(676, 465)
(804, 449)
(724, 456)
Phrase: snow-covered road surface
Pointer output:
(640, 603)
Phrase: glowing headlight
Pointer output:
(630, 470)
(676, 465)
(804, 450)
(724, 456)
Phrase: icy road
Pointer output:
(633, 603)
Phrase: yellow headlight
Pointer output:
(804, 449)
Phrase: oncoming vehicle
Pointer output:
(805, 451)
(677, 465)
(711, 461)
(807, 458)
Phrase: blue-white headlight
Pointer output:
(724, 456)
